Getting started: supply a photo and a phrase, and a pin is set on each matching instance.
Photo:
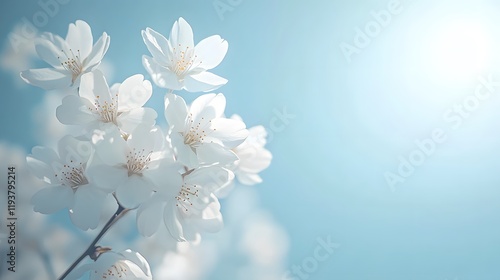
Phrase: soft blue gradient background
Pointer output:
(352, 121)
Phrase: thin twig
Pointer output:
(120, 212)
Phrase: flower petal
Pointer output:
(138, 260)
(72, 150)
(208, 106)
(49, 52)
(86, 211)
(175, 111)
(80, 38)
(111, 147)
(161, 76)
(166, 177)
(134, 191)
(181, 35)
(204, 81)
(52, 199)
(98, 51)
(210, 153)
(40, 163)
(231, 132)
(93, 87)
(133, 93)
(157, 45)
(171, 218)
(130, 120)
(75, 110)
(47, 78)
(210, 52)
(149, 216)
(107, 177)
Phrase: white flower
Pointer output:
(178, 64)
(70, 185)
(127, 265)
(253, 157)
(99, 106)
(187, 208)
(135, 167)
(69, 58)
(201, 134)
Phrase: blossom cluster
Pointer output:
(171, 177)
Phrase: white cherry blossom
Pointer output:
(201, 134)
(126, 265)
(188, 208)
(177, 63)
(69, 58)
(135, 167)
(99, 106)
(70, 186)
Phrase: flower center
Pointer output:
(197, 131)
(117, 270)
(185, 195)
(72, 176)
(137, 161)
(106, 110)
(183, 60)
(71, 62)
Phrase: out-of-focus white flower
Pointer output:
(135, 167)
(127, 265)
(99, 106)
(200, 134)
(178, 64)
(188, 208)
(69, 58)
(251, 246)
(19, 51)
(70, 186)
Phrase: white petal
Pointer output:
(161, 76)
(47, 78)
(72, 150)
(255, 163)
(248, 179)
(80, 38)
(157, 45)
(166, 177)
(171, 218)
(145, 138)
(52, 199)
(93, 87)
(210, 153)
(210, 52)
(209, 106)
(181, 35)
(149, 216)
(185, 154)
(133, 93)
(204, 81)
(86, 211)
(211, 178)
(175, 111)
(139, 260)
(40, 163)
(74, 110)
(130, 120)
(212, 218)
(47, 51)
(231, 132)
(107, 177)
(134, 191)
(98, 51)
(111, 148)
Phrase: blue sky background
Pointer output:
(352, 120)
